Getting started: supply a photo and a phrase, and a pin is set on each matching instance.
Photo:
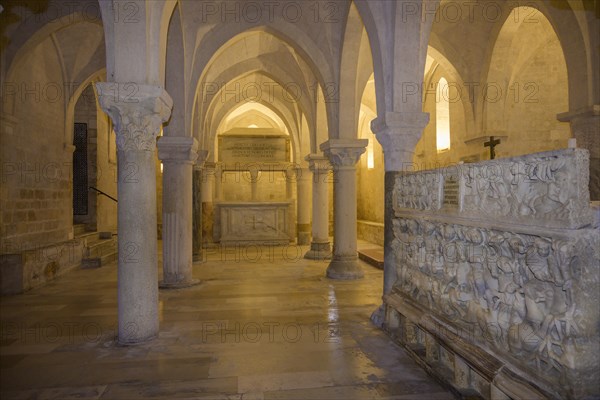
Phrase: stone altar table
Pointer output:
(239, 223)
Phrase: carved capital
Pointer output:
(202, 156)
(137, 112)
(318, 163)
(344, 153)
(178, 149)
(207, 167)
(398, 134)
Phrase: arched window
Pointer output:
(442, 116)
(370, 155)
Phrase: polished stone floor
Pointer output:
(263, 324)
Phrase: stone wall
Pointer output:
(23, 271)
(497, 281)
(370, 231)
(36, 158)
(106, 178)
(370, 193)
(517, 98)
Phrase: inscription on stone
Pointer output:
(245, 149)
(451, 191)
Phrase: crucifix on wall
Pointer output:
(492, 143)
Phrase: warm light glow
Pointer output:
(161, 167)
(252, 126)
(370, 155)
(442, 116)
(332, 312)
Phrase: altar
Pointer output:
(254, 198)
(240, 223)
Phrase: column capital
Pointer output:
(591, 111)
(318, 163)
(204, 165)
(202, 156)
(344, 152)
(303, 174)
(137, 112)
(398, 133)
(178, 149)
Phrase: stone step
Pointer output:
(79, 229)
(100, 248)
(97, 262)
(87, 263)
(373, 256)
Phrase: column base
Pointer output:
(303, 238)
(179, 285)
(378, 316)
(132, 343)
(318, 251)
(344, 269)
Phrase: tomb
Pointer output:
(496, 291)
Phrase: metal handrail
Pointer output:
(101, 192)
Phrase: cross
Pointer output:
(253, 221)
(491, 144)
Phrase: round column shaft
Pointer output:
(319, 246)
(344, 154)
(178, 155)
(137, 120)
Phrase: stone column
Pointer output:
(290, 178)
(343, 155)
(398, 134)
(303, 205)
(198, 210)
(218, 181)
(137, 118)
(178, 155)
(207, 193)
(208, 182)
(319, 246)
(197, 192)
(585, 127)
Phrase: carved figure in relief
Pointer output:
(519, 247)
(461, 293)
(493, 194)
(566, 253)
(423, 201)
(539, 263)
(554, 201)
(475, 239)
(554, 268)
(523, 189)
(520, 286)
(410, 189)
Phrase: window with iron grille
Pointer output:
(80, 170)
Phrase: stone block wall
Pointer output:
(36, 154)
(36, 165)
(370, 231)
(23, 271)
(497, 275)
